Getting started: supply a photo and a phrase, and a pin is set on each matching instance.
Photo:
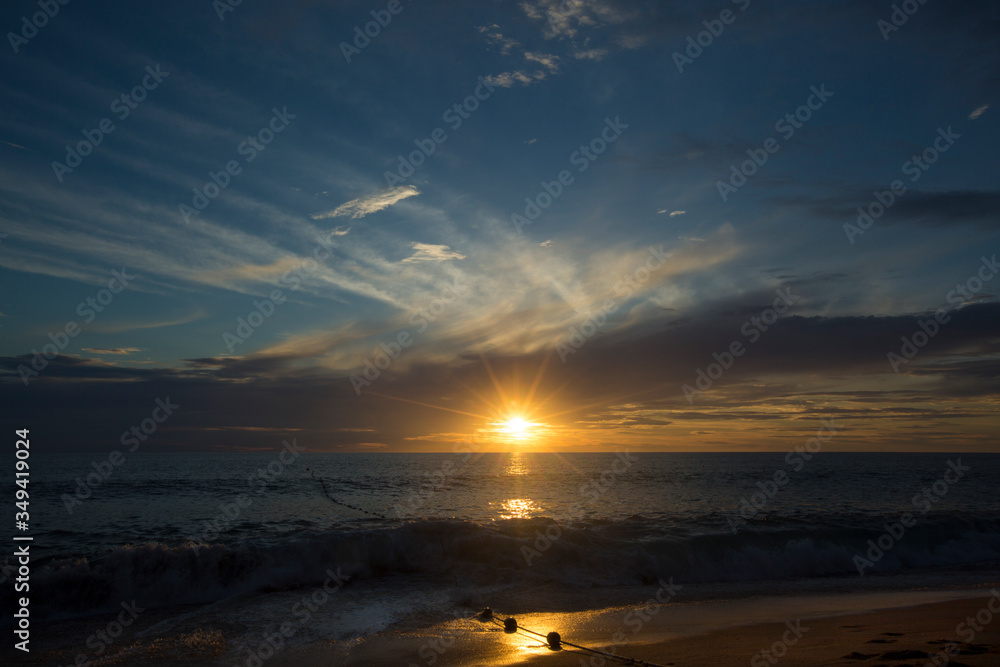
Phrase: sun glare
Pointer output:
(516, 429)
(516, 426)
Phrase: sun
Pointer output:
(517, 427)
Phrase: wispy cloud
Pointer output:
(427, 252)
(494, 36)
(591, 54)
(632, 42)
(545, 292)
(564, 18)
(979, 112)
(253, 429)
(113, 350)
(546, 60)
(250, 272)
(359, 208)
(525, 77)
(508, 79)
(133, 326)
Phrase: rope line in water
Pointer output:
(555, 642)
(353, 507)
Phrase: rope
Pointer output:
(555, 642)
(353, 507)
(358, 509)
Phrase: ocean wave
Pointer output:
(514, 552)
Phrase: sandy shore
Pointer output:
(797, 631)
(896, 629)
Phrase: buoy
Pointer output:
(510, 625)
(486, 614)
(554, 639)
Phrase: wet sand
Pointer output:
(796, 631)
(896, 629)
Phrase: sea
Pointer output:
(342, 546)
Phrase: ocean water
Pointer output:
(242, 539)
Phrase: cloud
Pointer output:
(508, 79)
(113, 350)
(427, 252)
(564, 18)
(546, 291)
(674, 214)
(494, 36)
(632, 42)
(800, 369)
(118, 327)
(591, 54)
(251, 272)
(918, 207)
(340, 231)
(524, 77)
(546, 60)
(979, 112)
(359, 208)
(252, 429)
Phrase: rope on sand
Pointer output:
(555, 642)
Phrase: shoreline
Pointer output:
(827, 629)
(883, 627)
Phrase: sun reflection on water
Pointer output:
(518, 508)
(516, 464)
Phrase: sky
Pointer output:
(542, 225)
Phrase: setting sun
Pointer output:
(516, 429)
(498, 354)
(517, 426)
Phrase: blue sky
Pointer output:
(551, 76)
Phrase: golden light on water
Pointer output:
(518, 508)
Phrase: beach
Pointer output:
(814, 631)
(658, 562)
(522, 332)
(913, 628)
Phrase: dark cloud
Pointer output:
(643, 368)
(980, 208)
